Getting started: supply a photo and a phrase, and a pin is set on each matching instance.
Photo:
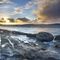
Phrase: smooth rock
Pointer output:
(44, 37)
(57, 44)
(57, 37)
(56, 41)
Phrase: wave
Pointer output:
(17, 33)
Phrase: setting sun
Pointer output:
(7, 21)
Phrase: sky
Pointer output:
(29, 11)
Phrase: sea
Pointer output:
(33, 30)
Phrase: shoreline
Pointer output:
(17, 49)
(18, 33)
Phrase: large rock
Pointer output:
(57, 37)
(57, 41)
(44, 37)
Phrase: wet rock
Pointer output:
(39, 57)
(57, 44)
(42, 46)
(43, 49)
(27, 55)
(4, 40)
(57, 37)
(14, 41)
(33, 58)
(25, 59)
(27, 44)
(44, 37)
(18, 59)
(21, 41)
(57, 41)
(15, 49)
(32, 44)
(10, 59)
(19, 56)
(51, 58)
(31, 35)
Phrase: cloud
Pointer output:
(23, 19)
(4, 14)
(28, 5)
(6, 1)
(17, 11)
(34, 12)
(34, 21)
(11, 19)
(48, 11)
(4, 7)
(33, 3)
(2, 20)
(16, 21)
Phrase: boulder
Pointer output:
(57, 37)
(57, 41)
(44, 37)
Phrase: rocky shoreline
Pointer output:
(16, 33)
(12, 48)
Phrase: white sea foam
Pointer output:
(50, 43)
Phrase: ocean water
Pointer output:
(32, 30)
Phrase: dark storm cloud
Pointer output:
(11, 19)
(2, 20)
(23, 19)
(50, 9)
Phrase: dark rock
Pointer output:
(43, 49)
(4, 40)
(25, 59)
(57, 44)
(15, 49)
(19, 56)
(32, 51)
(32, 44)
(27, 44)
(57, 37)
(57, 41)
(44, 37)
(19, 33)
(27, 55)
(51, 58)
(33, 58)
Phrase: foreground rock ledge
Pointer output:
(15, 49)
